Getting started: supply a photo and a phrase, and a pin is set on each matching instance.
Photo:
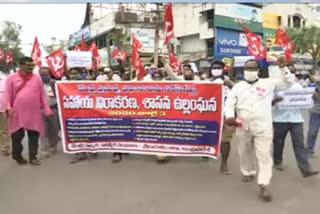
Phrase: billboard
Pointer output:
(239, 11)
(230, 43)
(76, 37)
(271, 21)
(231, 23)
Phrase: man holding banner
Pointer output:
(290, 120)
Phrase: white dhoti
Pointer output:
(255, 147)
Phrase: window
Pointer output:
(296, 21)
(210, 15)
(289, 21)
(210, 47)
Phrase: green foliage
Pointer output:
(306, 40)
(10, 41)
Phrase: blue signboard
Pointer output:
(229, 43)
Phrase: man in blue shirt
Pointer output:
(290, 120)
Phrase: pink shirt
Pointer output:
(27, 105)
(2, 86)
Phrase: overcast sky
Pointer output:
(44, 21)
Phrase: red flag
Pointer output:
(284, 40)
(83, 45)
(77, 48)
(36, 52)
(56, 63)
(136, 43)
(175, 63)
(95, 55)
(168, 24)
(9, 58)
(255, 46)
(119, 55)
(2, 55)
(136, 61)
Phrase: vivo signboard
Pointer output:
(230, 43)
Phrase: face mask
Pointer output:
(251, 76)
(204, 76)
(216, 72)
(188, 78)
(239, 76)
(46, 79)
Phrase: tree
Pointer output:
(10, 41)
(306, 40)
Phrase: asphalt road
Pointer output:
(139, 185)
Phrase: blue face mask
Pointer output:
(239, 76)
(46, 79)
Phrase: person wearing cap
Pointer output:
(111, 75)
(216, 75)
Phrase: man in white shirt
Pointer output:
(250, 102)
(290, 120)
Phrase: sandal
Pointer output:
(5, 153)
(21, 161)
(79, 157)
(35, 162)
(247, 178)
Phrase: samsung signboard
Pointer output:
(230, 43)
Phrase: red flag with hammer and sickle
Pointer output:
(56, 63)
(168, 24)
(36, 52)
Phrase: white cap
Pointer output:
(107, 69)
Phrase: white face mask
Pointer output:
(216, 72)
(251, 76)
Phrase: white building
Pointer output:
(194, 30)
(295, 15)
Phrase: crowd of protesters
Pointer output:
(251, 118)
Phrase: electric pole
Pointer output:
(156, 35)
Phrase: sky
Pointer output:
(44, 21)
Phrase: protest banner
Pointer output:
(79, 59)
(296, 98)
(178, 119)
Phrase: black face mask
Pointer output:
(188, 78)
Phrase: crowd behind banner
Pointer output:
(30, 104)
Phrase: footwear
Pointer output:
(206, 159)
(280, 167)
(92, 156)
(247, 178)
(310, 174)
(79, 157)
(264, 193)
(35, 162)
(45, 155)
(21, 161)
(116, 158)
(162, 159)
(224, 169)
(5, 153)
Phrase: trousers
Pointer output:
(255, 147)
(4, 134)
(17, 148)
(296, 131)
